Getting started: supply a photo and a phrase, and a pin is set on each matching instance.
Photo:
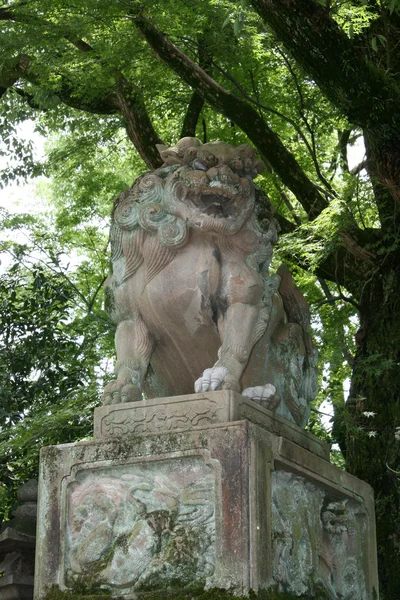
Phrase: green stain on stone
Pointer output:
(54, 593)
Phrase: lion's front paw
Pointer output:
(265, 395)
(117, 392)
(216, 378)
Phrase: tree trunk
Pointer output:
(371, 444)
(138, 124)
(382, 142)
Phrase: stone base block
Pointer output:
(232, 498)
(177, 413)
(16, 587)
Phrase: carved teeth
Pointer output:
(223, 187)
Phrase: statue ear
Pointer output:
(245, 150)
(161, 148)
(170, 156)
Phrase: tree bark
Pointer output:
(376, 388)
(138, 125)
(196, 101)
(192, 116)
(366, 95)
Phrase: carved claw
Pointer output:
(265, 395)
(118, 393)
(211, 380)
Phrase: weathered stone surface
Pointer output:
(12, 540)
(231, 505)
(28, 492)
(315, 537)
(196, 410)
(164, 414)
(16, 587)
(190, 289)
(141, 522)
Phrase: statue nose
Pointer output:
(222, 173)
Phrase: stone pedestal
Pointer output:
(209, 489)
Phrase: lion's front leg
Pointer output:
(134, 347)
(240, 308)
(238, 327)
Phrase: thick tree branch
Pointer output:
(124, 97)
(138, 125)
(339, 267)
(310, 147)
(344, 137)
(358, 168)
(196, 101)
(340, 69)
(129, 100)
(192, 115)
(366, 95)
(239, 111)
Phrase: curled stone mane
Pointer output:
(140, 210)
(143, 206)
(150, 223)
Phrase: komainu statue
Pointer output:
(190, 291)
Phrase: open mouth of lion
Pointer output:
(215, 203)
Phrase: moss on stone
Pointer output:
(50, 456)
(54, 593)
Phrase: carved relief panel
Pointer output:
(317, 539)
(139, 526)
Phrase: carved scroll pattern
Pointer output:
(317, 539)
(155, 419)
(139, 525)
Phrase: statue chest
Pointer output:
(184, 291)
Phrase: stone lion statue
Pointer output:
(195, 307)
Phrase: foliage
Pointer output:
(304, 82)
(54, 335)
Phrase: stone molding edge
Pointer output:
(179, 413)
(305, 462)
(280, 427)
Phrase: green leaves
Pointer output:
(54, 344)
(378, 38)
(237, 17)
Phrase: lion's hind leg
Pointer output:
(134, 346)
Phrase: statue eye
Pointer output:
(199, 166)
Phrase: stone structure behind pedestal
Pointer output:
(209, 489)
(17, 546)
